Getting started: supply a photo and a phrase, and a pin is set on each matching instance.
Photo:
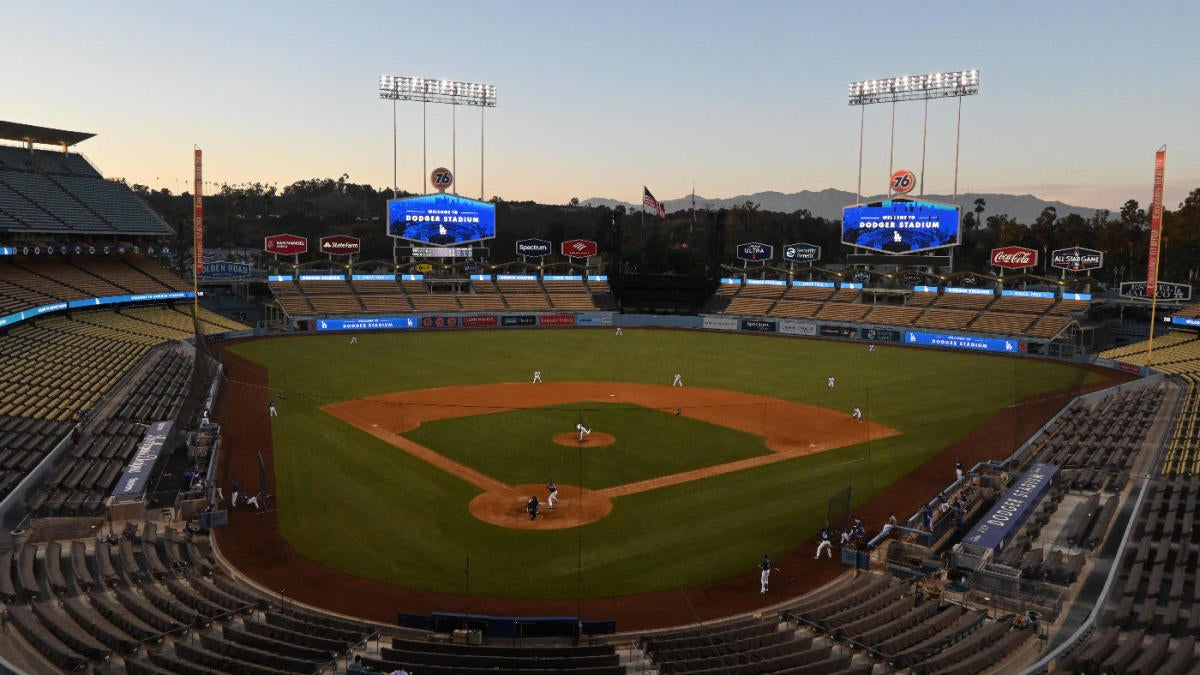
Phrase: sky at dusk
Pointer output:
(598, 98)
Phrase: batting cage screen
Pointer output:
(837, 510)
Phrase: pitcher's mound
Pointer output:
(506, 508)
(596, 439)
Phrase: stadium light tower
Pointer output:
(955, 83)
(428, 90)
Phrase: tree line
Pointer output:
(685, 242)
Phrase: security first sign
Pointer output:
(802, 253)
(755, 251)
(579, 248)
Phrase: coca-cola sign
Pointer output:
(340, 244)
(286, 244)
(1077, 258)
(1014, 257)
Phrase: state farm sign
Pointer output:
(579, 248)
(1014, 257)
(340, 244)
(286, 244)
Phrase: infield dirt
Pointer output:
(254, 545)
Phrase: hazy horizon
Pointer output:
(598, 100)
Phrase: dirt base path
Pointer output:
(791, 430)
(253, 544)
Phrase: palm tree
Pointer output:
(979, 206)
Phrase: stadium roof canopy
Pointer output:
(28, 133)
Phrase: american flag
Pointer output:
(649, 200)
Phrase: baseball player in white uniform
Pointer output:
(583, 431)
(831, 383)
(856, 414)
(537, 377)
(553, 490)
(765, 577)
(825, 545)
(678, 382)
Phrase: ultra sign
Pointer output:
(755, 251)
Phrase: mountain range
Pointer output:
(828, 203)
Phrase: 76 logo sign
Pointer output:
(903, 181)
(441, 178)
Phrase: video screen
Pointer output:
(900, 226)
(441, 219)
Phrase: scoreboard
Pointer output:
(900, 225)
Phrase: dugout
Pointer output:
(507, 627)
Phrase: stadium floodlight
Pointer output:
(432, 90)
(948, 84)
(429, 90)
(914, 87)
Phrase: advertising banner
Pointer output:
(1049, 295)
(880, 335)
(797, 327)
(1156, 207)
(441, 219)
(720, 323)
(1189, 321)
(557, 320)
(373, 323)
(759, 325)
(198, 216)
(1014, 257)
(1163, 290)
(134, 481)
(755, 251)
(223, 269)
(285, 244)
(340, 244)
(837, 331)
(534, 248)
(480, 321)
(1077, 259)
(439, 322)
(1004, 520)
(594, 320)
(978, 344)
(521, 320)
(579, 248)
(900, 226)
(802, 253)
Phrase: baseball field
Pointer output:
(407, 458)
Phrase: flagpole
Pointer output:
(692, 227)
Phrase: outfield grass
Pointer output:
(353, 502)
(649, 443)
